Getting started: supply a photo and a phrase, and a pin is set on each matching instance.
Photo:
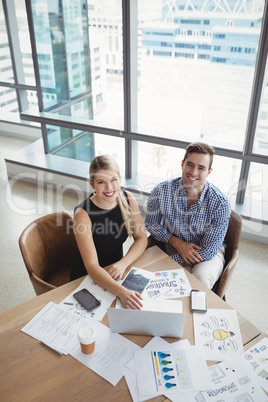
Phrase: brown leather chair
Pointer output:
(48, 247)
(231, 240)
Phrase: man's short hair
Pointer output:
(200, 148)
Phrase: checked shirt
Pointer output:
(205, 223)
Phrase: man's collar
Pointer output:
(183, 190)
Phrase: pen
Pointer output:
(50, 347)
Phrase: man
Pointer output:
(190, 215)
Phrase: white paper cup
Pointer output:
(87, 337)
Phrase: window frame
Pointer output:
(130, 21)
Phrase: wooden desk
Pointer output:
(30, 371)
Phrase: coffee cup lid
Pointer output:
(86, 335)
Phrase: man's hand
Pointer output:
(187, 251)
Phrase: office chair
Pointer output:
(231, 240)
(48, 247)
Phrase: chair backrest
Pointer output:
(48, 245)
(233, 234)
(231, 240)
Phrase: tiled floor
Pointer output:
(21, 202)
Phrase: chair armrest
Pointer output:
(227, 274)
(39, 285)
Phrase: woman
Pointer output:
(102, 223)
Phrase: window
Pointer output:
(146, 97)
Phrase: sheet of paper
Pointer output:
(168, 306)
(106, 298)
(137, 279)
(112, 352)
(130, 368)
(256, 361)
(218, 334)
(232, 382)
(55, 326)
(167, 285)
(165, 370)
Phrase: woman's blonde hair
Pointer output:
(107, 162)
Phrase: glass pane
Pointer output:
(32, 100)
(6, 72)
(61, 34)
(225, 175)
(156, 163)
(257, 187)
(8, 101)
(261, 135)
(196, 64)
(163, 163)
(85, 146)
(255, 204)
(25, 45)
(80, 58)
(106, 49)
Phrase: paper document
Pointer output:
(130, 368)
(106, 298)
(167, 285)
(217, 333)
(164, 370)
(256, 361)
(55, 327)
(112, 352)
(232, 382)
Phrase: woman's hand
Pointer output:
(130, 299)
(116, 270)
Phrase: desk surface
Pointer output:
(30, 371)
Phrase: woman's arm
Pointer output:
(117, 269)
(84, 239)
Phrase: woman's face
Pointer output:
(106, 183)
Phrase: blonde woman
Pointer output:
(102, 224)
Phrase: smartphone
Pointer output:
(198, 301)
(86, 299)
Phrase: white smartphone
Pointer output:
(198, 301)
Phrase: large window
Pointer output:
(141, 79)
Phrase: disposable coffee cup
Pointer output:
(87, 337)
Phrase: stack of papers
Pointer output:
(58, 329)
(179, 372)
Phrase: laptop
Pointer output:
(141, 322)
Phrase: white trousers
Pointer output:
(208, 272)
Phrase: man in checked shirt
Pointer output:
(190, 216)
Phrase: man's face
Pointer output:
(195, 170)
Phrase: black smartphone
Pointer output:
(86, 299)
(198, 301)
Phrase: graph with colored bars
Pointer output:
(153, 293)
(171, 370)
